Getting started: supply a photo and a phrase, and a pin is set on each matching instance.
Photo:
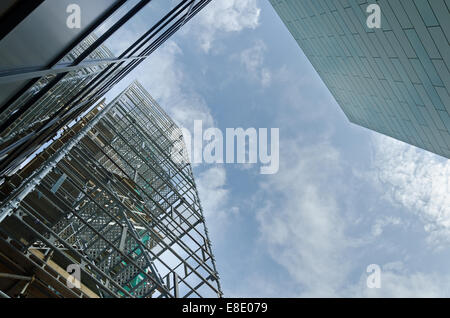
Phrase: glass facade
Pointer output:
(394, 79)
(68, 87)
(43, 88)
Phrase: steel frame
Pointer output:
(118, 201)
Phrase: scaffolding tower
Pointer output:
(114, 197)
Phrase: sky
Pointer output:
(344, 197)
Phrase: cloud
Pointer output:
(301, 224)
(211, 184)
(302, 220)
(224, 16)
(381, 223)
(253, 60)
(417, 180)
(164, 77)
(305, 228)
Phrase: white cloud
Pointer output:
(165, 79)
(301, 224)
(224, 16)
(307, 232)
(214, 196)
(266, 77)
(382, 222)
(253, 60)
(394, 266)
(417, 180)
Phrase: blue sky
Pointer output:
(344, 197)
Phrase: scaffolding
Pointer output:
(114, 196)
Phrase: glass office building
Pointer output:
(115, 196)
(48, 105)
(51, 73)
(394, 79)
